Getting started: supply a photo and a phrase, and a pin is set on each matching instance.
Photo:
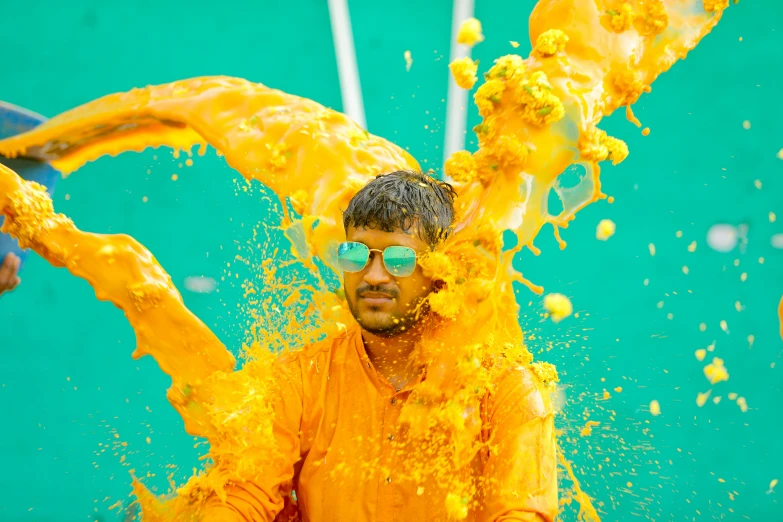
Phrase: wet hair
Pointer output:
(404, 200)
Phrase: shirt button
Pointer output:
(393, 401)
(388, 480)
(391, 436)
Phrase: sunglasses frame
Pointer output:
(383, 258)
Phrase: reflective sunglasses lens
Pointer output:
(400, 261)
(352, 256)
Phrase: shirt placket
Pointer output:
(387, 481)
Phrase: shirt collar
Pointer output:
(379, 381)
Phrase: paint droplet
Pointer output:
(746, 125)
(757, 184)
(174, 177)
(558, 306)
(588, 429)
(701, 398)
(470, 32)
(67, 197)
(189, 162)
(742, 403)
(655, 408)
(646, 131)
(744, 276)
(605, 229)
(772, 217)
(514, 44)
(685, 270)
(715, 372)
(692, 247)
(145, 199)
(408, 60)
(701, 353)
(652, 249)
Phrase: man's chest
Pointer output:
(357, 462)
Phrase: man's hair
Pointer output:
(403, 200)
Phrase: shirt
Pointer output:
(333, 402)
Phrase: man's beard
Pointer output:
(396, 324)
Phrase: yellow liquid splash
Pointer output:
(540, 118)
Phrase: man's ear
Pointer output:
(438, 285)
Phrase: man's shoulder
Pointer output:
(526, 386)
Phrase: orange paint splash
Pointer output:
(538, 138)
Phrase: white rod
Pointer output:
(457, 100)
(347, 69)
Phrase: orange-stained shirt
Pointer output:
(336, 424)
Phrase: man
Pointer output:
(15, 120)
(336, 417)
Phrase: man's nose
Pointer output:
(376, 273)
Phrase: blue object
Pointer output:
(16, 120)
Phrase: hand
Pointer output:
(8, 270)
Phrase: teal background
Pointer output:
(68, 383)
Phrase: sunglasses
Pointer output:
(400, 261)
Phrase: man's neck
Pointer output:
(390, 355)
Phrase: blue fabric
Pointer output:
(15, 120)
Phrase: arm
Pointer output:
(520, 474)
(9, 268)
(262, 497)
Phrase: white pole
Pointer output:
(347, 69)
(457, 100)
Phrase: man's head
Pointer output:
(404, 208)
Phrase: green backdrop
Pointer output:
(68, 383)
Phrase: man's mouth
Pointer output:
(375, 298)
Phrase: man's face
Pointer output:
(381, 303)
